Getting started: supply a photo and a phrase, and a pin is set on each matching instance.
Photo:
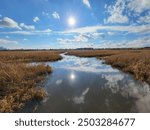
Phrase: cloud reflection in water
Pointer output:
(120, 88)
(80, 99)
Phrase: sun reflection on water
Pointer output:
(72, 76)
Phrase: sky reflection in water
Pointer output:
(87, 85)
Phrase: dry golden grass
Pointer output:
(136, 62)
(93, 53)
(29, 56)
(21, 82)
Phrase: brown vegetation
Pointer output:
(21, 82)
(29, 56)
(136, 62)
(92, 53)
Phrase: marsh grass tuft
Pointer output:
(21, 82)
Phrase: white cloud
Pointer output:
(97, 35)
(143, 103)
(79, 38)
(140, 42)
(83, 30)
(122, 10)
(89, 32)
(112, 81)
(117, 18)
(138, 6)
(2, 48)
(6, 41)
(30, 32)
(10, 23)
(117, 13)
(129, 29)
(55, 15)
(36, 19)
(87, 65)
(19, 32)
(28, 27)
(145, 19)
(81, 99)
(87, 3)
(59, 81)
(136, 43)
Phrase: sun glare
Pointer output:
(71, 21)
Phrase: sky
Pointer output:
(59, 24)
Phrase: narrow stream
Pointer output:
(87, 85)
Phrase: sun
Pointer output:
(71, 21)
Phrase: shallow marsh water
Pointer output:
(87, 85)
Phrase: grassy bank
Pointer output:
(92, 53)
(29, 56)
(136, 62)
(21, 82)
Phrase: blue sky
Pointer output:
(44, 24)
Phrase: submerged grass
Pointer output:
(21, 82)
(136, 62)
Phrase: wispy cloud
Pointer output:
(129, 29)
(30, 32)
(6, 41)
(87, 3)
(139, 42)
(81, 38)
(56, 15)
(81, 99)
(10, 23)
